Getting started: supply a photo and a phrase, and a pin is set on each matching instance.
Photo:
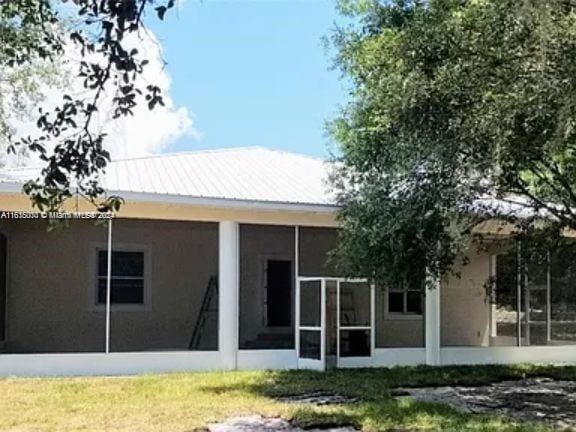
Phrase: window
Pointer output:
(534, 301)
(404, 301)
(127, 282)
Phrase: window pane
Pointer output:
(355, 343)
(505, 300)
(563, 295)
(354, 304)
(128, 264)
(310, 344)
(122, 291)
(414, 302)
(537, 316)
(310, 303)
(331, 318)
(396, 302)
(538, 310)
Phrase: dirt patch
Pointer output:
(534, 399)
(258, 423)
(318, 399)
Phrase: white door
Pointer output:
(310, 323)
(356, 338)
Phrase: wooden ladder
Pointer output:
(209, 294)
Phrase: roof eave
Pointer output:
(205, 201)
(226, 203)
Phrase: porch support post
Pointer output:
(228, 293)
(108, 286)
(519, 281)
(297, 289)
(493, 305)
(548, 298)
(432, 317)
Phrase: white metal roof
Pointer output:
(250, 174)
(247, 177)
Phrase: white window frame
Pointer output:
(409, 316)
(95, 248)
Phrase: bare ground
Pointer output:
(534, 399)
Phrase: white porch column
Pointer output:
(228, 294)
(493, 305)
(432, 317)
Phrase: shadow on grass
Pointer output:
(388, 414)
(377, 410)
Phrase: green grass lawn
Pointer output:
(183, 402)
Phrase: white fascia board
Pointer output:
(204, 201)
(225, 202)
(10, 187)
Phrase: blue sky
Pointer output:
(253, 72)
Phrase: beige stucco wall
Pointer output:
(315, 247)
(50, 286)
(465, 309)
(51, 295)
(394, 332)
(50, 303)
(259, 243)
(465, 306)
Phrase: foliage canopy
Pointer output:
(70, 142)
(456, 105)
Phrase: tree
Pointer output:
(22, 88)
(20, 84)
(460, 110)
(69, 142)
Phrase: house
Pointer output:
(220, 260)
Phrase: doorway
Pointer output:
(335, 323)
(278, 293)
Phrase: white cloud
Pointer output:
(147, 131)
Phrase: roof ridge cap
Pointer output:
(187, 152)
